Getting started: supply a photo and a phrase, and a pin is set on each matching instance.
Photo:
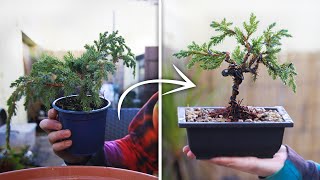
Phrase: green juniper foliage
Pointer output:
(246, 53)
(246, 57)
(51, 77)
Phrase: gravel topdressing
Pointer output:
(209, 115)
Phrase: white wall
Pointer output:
(11, 63)
(69, 25)
(185, 21)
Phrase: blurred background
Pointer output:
(187, 21)
(29, 28)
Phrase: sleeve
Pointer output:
(296, 167)
(138, 150)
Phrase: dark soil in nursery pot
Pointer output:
(87, 127)
(213, 132)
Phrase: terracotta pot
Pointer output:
(76, 172)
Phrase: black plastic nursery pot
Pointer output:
(215, 139)
(87, 127)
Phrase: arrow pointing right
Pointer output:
(186, 84)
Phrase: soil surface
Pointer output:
(73, 104)
(221, 115)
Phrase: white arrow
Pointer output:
(186, 84)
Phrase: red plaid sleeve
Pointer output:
(139, 149)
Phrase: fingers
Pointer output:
(186, 149)
(235, 162)
(253, 165)
(60, 146)
(58, 135)
(188, 152)
(191, 155)
(52, 114)
(281, 154)
(49, 125)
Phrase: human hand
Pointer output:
(57, 138)
(253, 165)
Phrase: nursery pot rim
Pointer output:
(78, 112)
(288, 122)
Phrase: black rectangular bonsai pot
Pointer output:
(215, 139)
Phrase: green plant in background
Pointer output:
(174, 162)
(15, 160)
(51, 77)
(248, 55)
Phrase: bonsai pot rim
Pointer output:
(288, 122)
(78, 112)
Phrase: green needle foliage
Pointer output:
(51, 77)
(249, 53)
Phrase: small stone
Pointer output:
(240, 120)
(256, 119)
(197, 112)
(220, 116)
(220, 119)
(230, 117)
(248, 120)
(228, 120)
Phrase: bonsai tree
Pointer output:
(249, 53)
(51, 77)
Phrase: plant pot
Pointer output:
(214, 139)
(76, 172)
(87, 127)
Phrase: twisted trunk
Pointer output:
(235, 107)
(235, 90)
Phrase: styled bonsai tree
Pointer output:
(51, 77)
(246, 58)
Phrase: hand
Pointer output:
(57, 138)
(253, 165)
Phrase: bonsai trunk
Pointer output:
(235, 107)
(235, 111)
(235, 91)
